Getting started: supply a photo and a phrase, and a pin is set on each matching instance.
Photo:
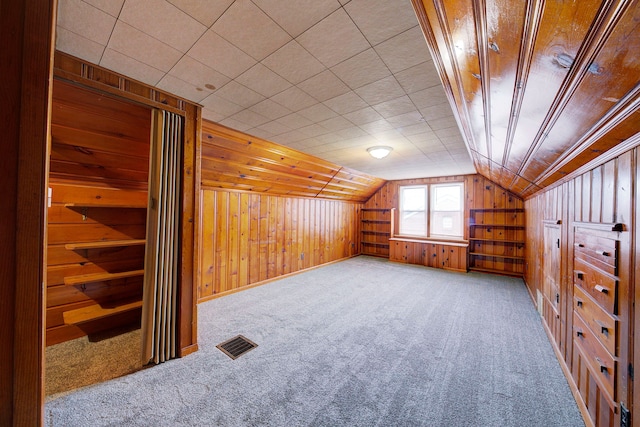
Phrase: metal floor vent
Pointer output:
(236, 346)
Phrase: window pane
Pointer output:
(413, 215)
(446, 212)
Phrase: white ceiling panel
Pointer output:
(327, 77)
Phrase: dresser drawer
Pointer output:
(602, 324)
(599, 251)
(600, 285)
(601, 363)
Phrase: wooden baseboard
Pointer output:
(188, 350)
(567, 373)
(264, 282)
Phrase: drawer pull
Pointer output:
(601, 288)
(603, 328)
(579, 245)
(603, 368)
(580, 274)
(579, 334)
(603, 253)
(579, 302)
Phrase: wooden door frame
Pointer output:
(27, 34)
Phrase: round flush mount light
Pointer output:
(379, 152)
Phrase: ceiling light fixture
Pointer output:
(379, 152)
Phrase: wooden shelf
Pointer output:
(375, 210)
(99, 277)
(105, 244)
(379, 233)
(498, 226)
(103, 205)
(521, 242)
(97, 311)
(381, 245)
(496, 256)
(376, 221)
(498, 210)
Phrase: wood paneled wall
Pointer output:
(98, 175)
(236, 161)
(248, 238)
(607, 194)
(481, 195)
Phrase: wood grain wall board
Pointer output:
(99, 141)
(59, 334)
(96, 196)
(250, 238)
(235, 161)
(74, 233)
(60, 214)
(56, 274)
(59, 295)
(58, 255)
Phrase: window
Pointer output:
(435, 210)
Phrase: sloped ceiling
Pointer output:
(326, 77)
(540, 89)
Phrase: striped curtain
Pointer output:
(159, 309)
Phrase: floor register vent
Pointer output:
(236, 346)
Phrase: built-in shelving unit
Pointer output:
(375, 232)
(496, 241)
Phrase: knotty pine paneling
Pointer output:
(233, 160)
(99, 168)
(603, 195)
(481, 195)
(248, 238)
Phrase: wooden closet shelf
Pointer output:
(496, 256)
(105, 244)
(99, 277)
(379, 233)
(493, 271)
(376, 221)
(104, 205)
(98, 311)
(517, 242)
(498, 210)
(381, 245)
(498, 226)
(375, 210)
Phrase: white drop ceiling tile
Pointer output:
(294, 121)
(361, 69)
(377, 126)
(86, 20)
(436, 112)
(294, 99)
(334, 39)
(443, 123)
(313, 130)
(395, 107)
(318, 112)
(291, 137)
(250, 118)
(251, 30)
(234, 124)
(427, 97)
(391, 137)
(182, 89)
(404, 50)
(329, 138)
(260, 133)
(217, 53)
(448, 132)
(293, 63)
(381, 91)
(362, 116)
(130, 67)
(346, 103)
(297, 16)
(239, 94)
(205, 11)
(199, 74)
(220, 105)
(262, 80)
(336, 124)
(407, 119)
(164, 21)
(211, 115)
(270, 109)
(136, 44)
(380, 20)
(76, 45)
(112, 7)
(324, 86)
(418, 77)
(416, 129)
(352, 132)
(275, 128)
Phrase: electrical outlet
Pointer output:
(302, 256)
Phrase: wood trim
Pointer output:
(601, 226)
(458, 243)
(26, 40)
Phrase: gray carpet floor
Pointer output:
(363, 342)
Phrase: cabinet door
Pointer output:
(551, 284)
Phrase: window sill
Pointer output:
(449, 242)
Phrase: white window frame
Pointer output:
(429, 214)
(433, 211)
